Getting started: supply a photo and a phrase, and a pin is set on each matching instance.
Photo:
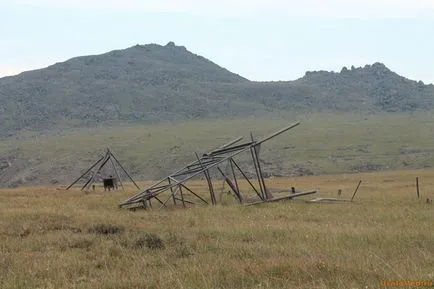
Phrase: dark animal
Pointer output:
(109, 184)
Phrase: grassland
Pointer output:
(51, 238)
(323, 144)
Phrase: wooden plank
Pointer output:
(328, 200)
(284, 198)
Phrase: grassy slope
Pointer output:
(324, 143)
(385, 235)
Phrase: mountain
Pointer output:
(153, 83)
(373, 88)
(143, 83)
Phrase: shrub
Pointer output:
(151, 241)
(105, 229)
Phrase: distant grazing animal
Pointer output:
(110, 183)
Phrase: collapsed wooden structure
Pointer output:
(91, 174)
(176, 189)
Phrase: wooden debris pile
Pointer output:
(175, 187)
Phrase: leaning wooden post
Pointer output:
(255, 163)
(355, 192)
(117, 173)
(417, 188)
(94, 165)
(208, 179)
(125, 171)
(182, 196)
(171, 191)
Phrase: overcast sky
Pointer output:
(258, 39)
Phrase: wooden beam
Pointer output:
(231, 185)
(125, 171)
(94, 165)
(277, 133)
(91, 181)
(208, 179)
(357, 188)
(193, 193)
(284, 198)
(247, 179)
(116, 172)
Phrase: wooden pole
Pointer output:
(235, 178)
(91, 181)
(417, 188)
(182, 196)
(125, 171)
(193, 193)
(247, 179)
(174, 194)
(185, 201)
(356, 190)
(208, 179)
(211, 189)
(94, 165)
(116, 171)
(277, 133)
(159, 201)
(171, 191)
(290, 197)
(231, 185)
(256, 169)
(267, 194)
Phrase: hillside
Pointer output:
(153, 83)
(324, 143)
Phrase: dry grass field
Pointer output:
(51, 238)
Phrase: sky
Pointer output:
(259, 39)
